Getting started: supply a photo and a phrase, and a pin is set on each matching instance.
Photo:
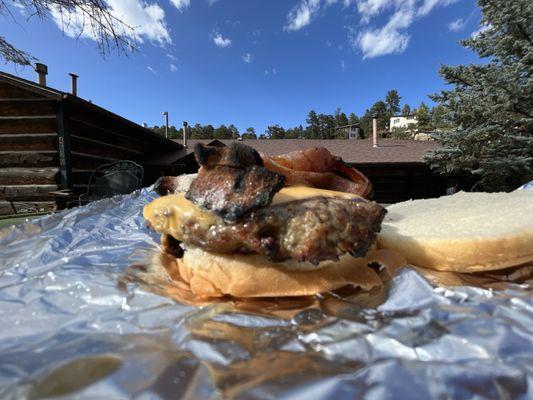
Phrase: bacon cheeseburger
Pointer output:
(237, 229)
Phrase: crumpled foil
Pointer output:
(72, 327)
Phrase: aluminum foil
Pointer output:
(72, 326)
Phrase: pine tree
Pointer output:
(492, 104)
(353, 119)
(406, 110)
(393, 102)
(422, 116)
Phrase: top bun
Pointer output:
(465, 232)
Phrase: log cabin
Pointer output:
(52, 140)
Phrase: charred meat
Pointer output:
(232, 181)
(314, 230)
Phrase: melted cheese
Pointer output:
(166, 214)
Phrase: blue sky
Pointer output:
(253, 62)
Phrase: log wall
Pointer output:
(28, 151)
(51, 141)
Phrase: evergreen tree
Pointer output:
(222, 132)
(327, 125)
(393, 102)
(380, 109)
(406, 110)
(353, 119)
(249, 134)
(340, 118)
(295, 133)
(422, 115)
(275, 132)
(313, 123)
(438, 118)
(492, 104)
(234, 131)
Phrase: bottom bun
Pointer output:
(238, 275)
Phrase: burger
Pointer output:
(253, 226)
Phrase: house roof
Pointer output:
(55, 94)
(352, 151)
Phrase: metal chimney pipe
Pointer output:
(166, 123)
(375, 131)
(74, 84)
(185, 129)
(42, 71)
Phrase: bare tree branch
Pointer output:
(14, 55)
(93, 17)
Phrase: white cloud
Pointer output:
(329, 43)
(370, 8)
(147, 21)
(429, 5)
(173, 67)
(456, 25)
(389, 39)
(152, 70)
(393, 37)
(481, 29)
(302, 14)
(171, 56)
(343, 65)
(221, 41)
(211, 2)
(181, 4)
(247, 58)
(272, 71)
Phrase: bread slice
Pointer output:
(465, 232)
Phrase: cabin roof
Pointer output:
(356, 151)
(58, 95)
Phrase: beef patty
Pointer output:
(314, 229)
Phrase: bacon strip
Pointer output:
(317, 167)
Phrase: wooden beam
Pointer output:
(16, 117)
(109, 134)
(46, 125)
(28, 142)
(28, 159)
(22, 108)
(25, 176)
(12, 192)
(104, 144)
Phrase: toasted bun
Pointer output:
(238, 275)
(465, 232)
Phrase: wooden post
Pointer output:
(63, 147)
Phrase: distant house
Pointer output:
(352, 131)
(402, 121)
(51, 140)
(396, 168)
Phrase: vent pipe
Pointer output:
(42, 71)
(166, 123)
(74, 84)
(185, 129)
(375, 130)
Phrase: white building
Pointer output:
(402, 121)
(352, 131)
